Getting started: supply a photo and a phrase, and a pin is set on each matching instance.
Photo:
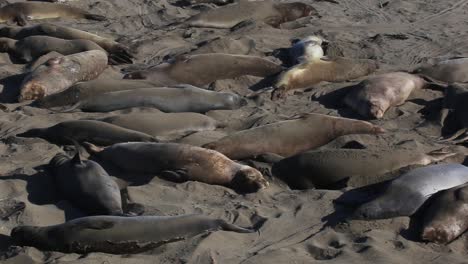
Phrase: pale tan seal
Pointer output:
(452, 70)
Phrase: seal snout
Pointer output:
(436, 234)
(31, 91)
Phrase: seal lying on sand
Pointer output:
(290, 137)
(373, 97)
(453, 113)
(359, 167)
(60, 73)
(203, 69)
(21, 12)
(46, 29)
(269, 12)
(316, 70)
(184, 98)
(407, 193)
(180, 162)
(97, 132)
(453, 70)
(446, 217)
(117, 234)
(306, 49)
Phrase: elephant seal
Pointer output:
(269, 12)
(97, 132)
(316, 70)
(371, 98)
(453, 70)
(358, 167)
(180, 162)
(306, 49)
(453, 113)
(446, 217)
(167, 125)
(86, 184)
(85, 90)
(203, 69)
(184, 98)
(118, 234)
(287, 138)
(46, 29)
(58, 74)
(21, 12)
(407, 193)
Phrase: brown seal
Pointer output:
(373, 97)
(21, 12)
(452, 70)
(203, 69)
(58, 74)
(180, 162)
(322, 69)
(290, 137)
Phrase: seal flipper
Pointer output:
(233, 228)
(175, 175)
(95, 17)
(242, 24)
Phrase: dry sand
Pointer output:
(294, 226)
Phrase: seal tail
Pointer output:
(95, 17)
(230, 227)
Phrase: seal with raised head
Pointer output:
(180, 162)
(46, 29)
(58, 74)
(358, 167)
(321, 69)
(306, 49)
(183, 98)
(452, 70)
(446, 217)
(97, 132)
(203, 69)
(269, 12)
(22, 11)
(405, 194)
(118, 234)
(371, 98)
(287, 138)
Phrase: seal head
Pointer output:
(248, 179)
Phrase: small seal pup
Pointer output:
(183, 98)
(407, 193)
(118, 234)
(58, 74)
(180, 162)
(371, 98)
(22, 11)
(269, 12)
(452, 70)
(203, 69)
(321, 69)
(287, 138)
(97, 132)
(446, 217)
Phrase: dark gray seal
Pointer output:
(452, 70)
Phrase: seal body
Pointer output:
(117, 234)
(58, 74)
(87, 185)
(97, 132)
(203, 69)
(175, 99)
(318, 70)
(180, 162)
(373, 97)
(446, 217)
(453, 113)
(448, 71)
(407, 193)
(269, 12)
(290, 137)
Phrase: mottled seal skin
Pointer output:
(269, 12)
(114, 48)
(170, 125)
(373, 97)
(180, 162)
(322, 69)
(287, 138)
(117, 234)
(407, 193)
(97, 132)
(203, 69)
(21, 12)
(86, 184)
(184, 98)
(85, 90)
(453, 70)
(358, 167)
(446, 217)
(58, 74)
